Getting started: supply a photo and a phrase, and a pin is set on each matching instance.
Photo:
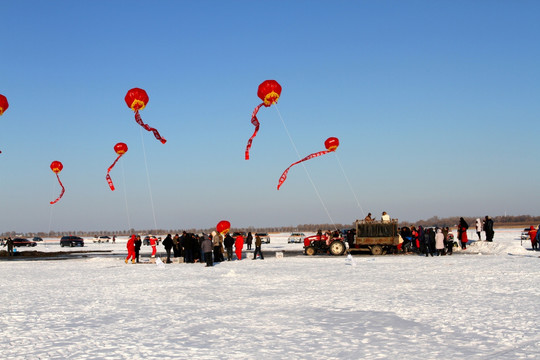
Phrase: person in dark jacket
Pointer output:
(138, 243)
(488, 228)
(206, 248)
(258, 243)
(229, 242)
(9, 244)
(176, 250)
(249, 240)
(462, 233)
(168, 244)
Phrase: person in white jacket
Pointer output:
(439, 242)
(478, 225)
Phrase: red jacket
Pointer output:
(131, 243)
(532, 234)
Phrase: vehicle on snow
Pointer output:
(265, 238)
(23, 242)
(375, 237)
(100, 239)
(296, 237)
(71, 241)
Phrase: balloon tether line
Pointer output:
(305, 168)
(148, 180)
(125, 196)
(350, 186)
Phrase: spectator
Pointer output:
(153, 244)
(138, 244)
(488, 228)
(532, 235)
(228, 242)
(176, 246)
(131, 249)
(462, 233)
(258, 244)
(368, 218)
(249, 240)
(168, 244)
(216, 241)
(238, 245)
(478, 226)
(385, 218)
(206, 248)
(439, 242)
(9, 244)
(449, 240)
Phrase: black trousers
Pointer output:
(257, 250)
(208, 258)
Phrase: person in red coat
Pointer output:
(131, 249)
(238, 245)
(532, 235)
(462, 233)
(153, 244)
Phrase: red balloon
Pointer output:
(56, 166)
(223, 227)
(120, 148)
(269, 92)
(3, 104)
(136, 99)
(331, 144)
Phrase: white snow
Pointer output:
(463, 306)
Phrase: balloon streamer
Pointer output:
(331, 144)
(120, 149)
(136, 99)
(269, 92)
(56, 167)
(3, 106)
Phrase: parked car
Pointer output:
(23, 242)
(236, 233)
(100, 239)
(525, 234)
(265, 238)
(296, 237)
(71, 241)
(37, 238)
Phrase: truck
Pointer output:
(376, 237)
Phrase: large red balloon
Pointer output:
(223, 227)
(56, 167)
(120, 149)
(331, 144)
(269, 92)
(136, 99)
(3, 104)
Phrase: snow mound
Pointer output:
(494, 248)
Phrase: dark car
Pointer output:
(37, 238)
(23, 242)
(146, 240)
(71, 241)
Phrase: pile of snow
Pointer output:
(495, 248)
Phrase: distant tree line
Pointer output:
(433, 221)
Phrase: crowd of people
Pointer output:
(440, 241)
(195, 248)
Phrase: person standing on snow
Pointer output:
(168, 244)
(533, 235)
(216, 242)
(9, 244)
(228, 242)
(462, 233)
(488, 228)
(138, 243)
(439, 242)
(238, 245)
(206, 248)
(131, 249)
(478, 226)
(153, 244)
(258, 243)
(249, 240)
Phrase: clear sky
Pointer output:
(435, 103)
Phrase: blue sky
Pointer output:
(435, 103)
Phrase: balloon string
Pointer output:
(309, 177)
(148, 128)
(108, 177)
(256, 123)
(284, 175)
(350, 186)
(148, 181)
(125, 195)
(63, 190)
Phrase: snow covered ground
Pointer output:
(476, 304)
